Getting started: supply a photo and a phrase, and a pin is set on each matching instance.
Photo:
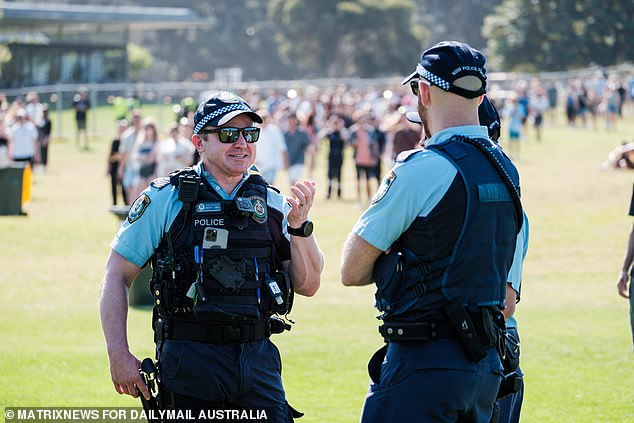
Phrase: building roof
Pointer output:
(50, 16)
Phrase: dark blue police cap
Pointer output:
(489, 117)
(454, 67)
(220, 108)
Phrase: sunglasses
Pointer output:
(413, 84)
(229, 135)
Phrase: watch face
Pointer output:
(308, 228)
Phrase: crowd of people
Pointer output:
(25, 131)
(294, 128)
(370, 120)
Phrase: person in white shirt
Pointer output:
(272, 152)
(175, 152)
(23, 136)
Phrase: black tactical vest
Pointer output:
(464, 248)
(217, 262)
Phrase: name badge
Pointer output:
(209, 207)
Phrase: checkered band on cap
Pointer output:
(220, 112)
(434, 79)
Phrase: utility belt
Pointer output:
(218, 334)
(477, 330)
(425, 331)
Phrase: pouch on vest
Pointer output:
(512, 358)
(375, 363)
(287, 295)
(389, 270)
(227, 273)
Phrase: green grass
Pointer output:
(577, 349)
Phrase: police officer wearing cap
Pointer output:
(227, 253)
(442, 238)
(511, 392)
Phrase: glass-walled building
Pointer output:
(63, 43)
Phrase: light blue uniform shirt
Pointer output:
(416, 188)
(155, 211)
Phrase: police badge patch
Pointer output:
(227, 97)
(385, 185)
(138, 207)
(259, 209)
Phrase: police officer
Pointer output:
(440, 241)
(227, 253)
(511, 392)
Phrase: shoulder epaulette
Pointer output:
(160, 182)
(406, 155)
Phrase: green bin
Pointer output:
(139, 294)
(11, 190)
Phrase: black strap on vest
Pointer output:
(515, 191)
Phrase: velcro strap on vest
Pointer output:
(425, 331)
(258, 252)
(212, 334)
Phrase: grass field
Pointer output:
(577, 348)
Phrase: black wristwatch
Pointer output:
(304, 231)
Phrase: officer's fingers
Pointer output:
(131, 390)
(142, 389)
(118, 388)
(623, 292)
(307, 193)
(301, 196)
(124, 389)
(307, 187)
(294, 203)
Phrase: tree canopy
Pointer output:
(550, 35)
(347, 38)
(284, 39)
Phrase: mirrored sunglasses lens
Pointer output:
(251, 135)
(228, 135)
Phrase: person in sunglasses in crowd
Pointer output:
(441, 239)
(228, 252)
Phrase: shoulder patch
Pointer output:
(259, 209)
(138, 207)
(385, 186)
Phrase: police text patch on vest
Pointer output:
(385, 185)
(138, 207)
(259, 209)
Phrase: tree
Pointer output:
(5, 56)
(139, 59)
(550, 35)
(459, 20)
(362, 38)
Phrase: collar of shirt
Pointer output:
(200, 169)
(471, 131)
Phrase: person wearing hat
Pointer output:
(23, 137)
(442, 238)
(511, 392)
(227, 253)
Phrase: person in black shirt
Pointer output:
(44, 131)
(335, 153)
(81, 104)
(114, 161)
